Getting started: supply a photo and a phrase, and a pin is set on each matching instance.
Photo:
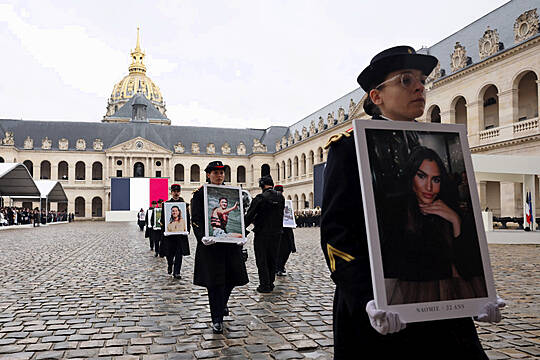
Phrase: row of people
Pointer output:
(219, 266)
(11, 215)
(308, 217)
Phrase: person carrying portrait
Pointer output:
(159, 245)
(140, 219)
(177, 245)
(266, 213)
(220, 217)
(218, 266)
(394, 84)
(148, 224)
(286, 244)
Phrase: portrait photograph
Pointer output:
(288, 215)
(175, 216)
(428, 248)
(158, 212)
(224, 221)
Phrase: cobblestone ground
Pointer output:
(88, 290)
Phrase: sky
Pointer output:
(241, 64)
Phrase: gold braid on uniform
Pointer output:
(337, 137)
(332, 252)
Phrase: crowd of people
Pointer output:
(308, 217)
(220, 265)
(11, 215)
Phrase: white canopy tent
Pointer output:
(510, 168)
(50, 190)
(15, 180)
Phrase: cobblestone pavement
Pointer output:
(88, 290)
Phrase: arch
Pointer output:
(283, 170)
(2, 160)
(178, 172)
(195, 173)
(252, 174)
(296, 167)
(80, 207)
(459, 104)
(138, 169)
(303, 166)
(227, 170)
(62, 207)
(45, 170)
(320, 155)
(97, 207)
(489, 116)
(311, 161)
(278, 172)
(289, 168)
(97, 171)
(303, 201)
(30, 166)
(80, 170)
(311, 203)
(527, 102)
(240, 174)
(265, 170)
(434, 114)
(295, 202)
(63, 170)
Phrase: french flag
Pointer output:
(132, 194)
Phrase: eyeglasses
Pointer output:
(406, 79)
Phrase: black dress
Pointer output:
(345, 247)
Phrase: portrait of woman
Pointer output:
(176, 221)
(220, 217)
(430, 250)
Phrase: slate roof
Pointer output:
(502, 19)
(152, 113)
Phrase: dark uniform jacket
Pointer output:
(345, 247)
(147, 224)
(219, 263)
(266, 213)
(182, 239)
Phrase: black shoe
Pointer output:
(264, 290)
(169, 269)
(226, 311)
(217, 328)
(177, 276)
(155, 255)
(281, 273)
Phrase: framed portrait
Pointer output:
(288, 215)
(175, 216)
(427, 245)
(224, 220)
(158, 212)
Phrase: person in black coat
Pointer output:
(148, 222)
(286, 244)
(266, 213)
(394, 82)
(220, 266)
(176, 246)
(140, 219)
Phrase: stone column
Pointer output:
(54, 171)
(448, 117)
(507, 199)
(71, 173)
(475, 123)
(482, 194)
(88, 173)
(538, 97)
(508, 107)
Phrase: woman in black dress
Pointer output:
(218, 266)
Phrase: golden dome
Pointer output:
(136, 80)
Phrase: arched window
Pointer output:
(278, 172)
(80, 207)
(80, 170)
(311, 161)
(295, 202)
(295, 173)
(527, 96)
(240, 174)
(97, 171)
(138, 169)
(227, 170)
(490, 99)
(289, 168)
(265, 170)
(45, 170)
(97, 210)
(303, 166)
(320, 155)
(283, 170)
(435, 114)
(63, 173)
(303, 201)
(2, 160)
(30, 166)
(311, 204)
(195, 173)
(179, 172)
(460, 110)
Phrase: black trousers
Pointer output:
(151, 238)
(266, 247)
(174, 255)
(283, 253)
(157, 240)
(218, 296)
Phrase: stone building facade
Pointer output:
(487, 78)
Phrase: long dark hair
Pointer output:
(448, 189)
(179, 211)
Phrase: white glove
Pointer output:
(241, 242)
(382, 321)
(208, 241)
(491, 312)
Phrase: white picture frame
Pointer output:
(288, 215)
(233, 231)
(173, 227)
(395, 281)
(158, 213)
